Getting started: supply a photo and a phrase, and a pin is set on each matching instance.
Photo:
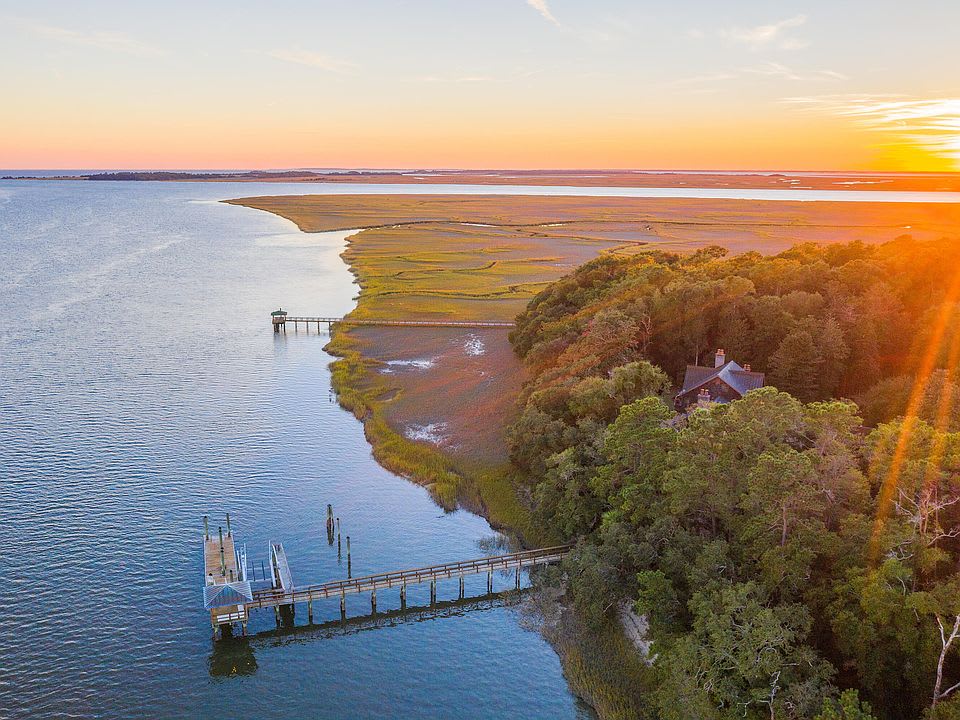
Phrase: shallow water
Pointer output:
(141, 387)
(799, 193)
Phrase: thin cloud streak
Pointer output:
(312, 59)
(770, 70)
(778, 70)
(460, 79)
(541, 7)
(766, 36)
(99, 39)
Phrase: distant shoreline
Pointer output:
(880, 181)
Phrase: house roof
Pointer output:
(743, 381)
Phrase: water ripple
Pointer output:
(141, 387)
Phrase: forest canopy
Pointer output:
(820, 321)
(792, 561)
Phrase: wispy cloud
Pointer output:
(838, 100)
(931, 124)
(541, 7)
(771, 35)
(712, 82)
(455, 79)
(312, 59)
(100, 39)
(701, 80)
(781, 71)
(468, 76)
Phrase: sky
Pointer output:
(688, 84)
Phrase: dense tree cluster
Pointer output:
(749, 537)
(781, 551)
(821, 321)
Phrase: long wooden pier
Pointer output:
(279, 320)
(274, 597)
(232, 591)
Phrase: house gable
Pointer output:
(725, 382)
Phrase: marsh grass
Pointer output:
(604, 668)
(485, 488)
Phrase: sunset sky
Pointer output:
(693, 84)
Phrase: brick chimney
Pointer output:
(747, 367)
(720, 359)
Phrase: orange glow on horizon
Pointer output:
(731, 142)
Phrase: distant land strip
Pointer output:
(918, 182)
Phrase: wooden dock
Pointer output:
(274, 597)
(226, 588)
(231, 591)
(279, 320)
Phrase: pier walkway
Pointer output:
(232, 589)
(401, 578)
(280, 318)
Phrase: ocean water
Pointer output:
(141, 387)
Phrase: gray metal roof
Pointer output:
(743, 381)
(235, 593)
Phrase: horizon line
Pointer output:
(414, 169)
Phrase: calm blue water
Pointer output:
(140, 388)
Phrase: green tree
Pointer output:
(784, 529)
(795, 366)
(847, 707)
(749, 657)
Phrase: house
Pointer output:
(722, 383)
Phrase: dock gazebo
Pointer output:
(279, 318)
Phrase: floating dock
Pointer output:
(232, 591)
